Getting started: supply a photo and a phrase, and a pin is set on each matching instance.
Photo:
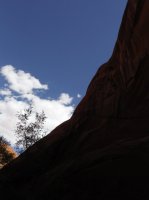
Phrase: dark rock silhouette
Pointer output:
(102, 152)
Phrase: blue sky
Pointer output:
(59, 42)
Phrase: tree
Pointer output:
(29, 132)
(5, 155)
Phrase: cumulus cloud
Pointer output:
(57, 110)
(5, 92)
(19, 81)
(65, 99)
(9, 107)
(79, 96)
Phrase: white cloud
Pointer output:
(79, 95)
(9, 107)
(19, 81)
(5, 92)
(65, 99)
(56, 110)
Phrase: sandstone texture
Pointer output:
(102, 152)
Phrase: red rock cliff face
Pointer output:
(102, 152)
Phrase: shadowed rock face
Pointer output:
(102, 152)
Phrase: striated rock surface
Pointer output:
(102, 152)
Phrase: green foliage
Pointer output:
(29, 132)
(5, 156)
